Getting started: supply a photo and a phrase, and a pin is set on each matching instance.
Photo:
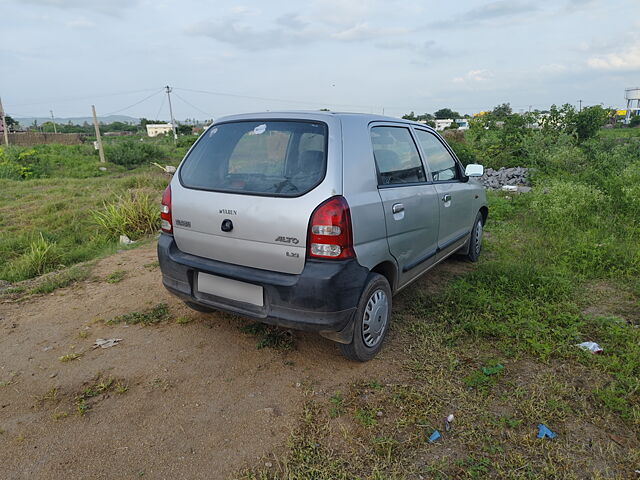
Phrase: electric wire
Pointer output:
(134, 104)
(192, 105)
(160, 109)
(81, 98)
(253, 97)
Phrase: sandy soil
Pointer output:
(202, 401)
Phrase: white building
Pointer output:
(155, 129)
(441, 124)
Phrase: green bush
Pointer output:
(132, 154)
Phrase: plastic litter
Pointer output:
(447, 422)
(126, 240)
(106, 343)
(543, 431)
(434, 436)
(593, 347)
(510, 188)
(497, 368)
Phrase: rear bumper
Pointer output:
(322, 298)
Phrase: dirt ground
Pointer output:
(201, 400)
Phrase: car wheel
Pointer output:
(475, 242)
(371, 320)
(199, 308)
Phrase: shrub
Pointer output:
(131, 154)
(133, 215)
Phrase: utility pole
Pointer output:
(580, 102)
(173, 123)
(98, 139)
(55, 130)
(5, 127)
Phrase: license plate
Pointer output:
(230, 289)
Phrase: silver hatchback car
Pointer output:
(313, 220)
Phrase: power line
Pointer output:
(134, 104)
(193, 106)
(82, 98)
(160, 109)
(252, 97)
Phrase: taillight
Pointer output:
(166, 222)
(330, 230)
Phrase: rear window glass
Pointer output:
(276, 158)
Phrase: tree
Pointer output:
(183, 129)
(587, 123)
(501, 112)
(410, 116)
(11, 123)
(444, 113)
(635, 121)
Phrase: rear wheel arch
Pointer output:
(484, 211)
(388, 270)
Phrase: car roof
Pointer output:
(316, 114)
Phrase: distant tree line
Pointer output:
(87, 128)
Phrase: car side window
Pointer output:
(396, 156)
(442, 165)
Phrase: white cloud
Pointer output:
(628, 59)
(474, 76)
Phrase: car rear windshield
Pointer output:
(274, 158)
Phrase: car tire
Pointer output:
(199, 308)
(371, 320)
(475, 242)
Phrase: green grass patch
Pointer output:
(156, 314)
(116, 277)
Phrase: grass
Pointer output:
(57, 208)
(83, 400)
(116, 277)
(152, 316)
(70, 357)
(47, 223)
(269, 336)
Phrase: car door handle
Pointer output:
(446, 198)
(397, 208)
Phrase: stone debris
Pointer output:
(496, 179)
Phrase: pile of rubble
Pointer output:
(510, 177)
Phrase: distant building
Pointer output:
(444, 123)
(155, 129)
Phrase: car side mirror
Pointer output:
(474, 170)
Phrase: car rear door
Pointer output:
(410, 203)
(455, 196)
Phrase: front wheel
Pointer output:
(475, 242)
(371, 320)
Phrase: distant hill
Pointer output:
(27, 121)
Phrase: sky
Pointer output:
(378, 56)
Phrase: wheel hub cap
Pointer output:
(374, 321)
